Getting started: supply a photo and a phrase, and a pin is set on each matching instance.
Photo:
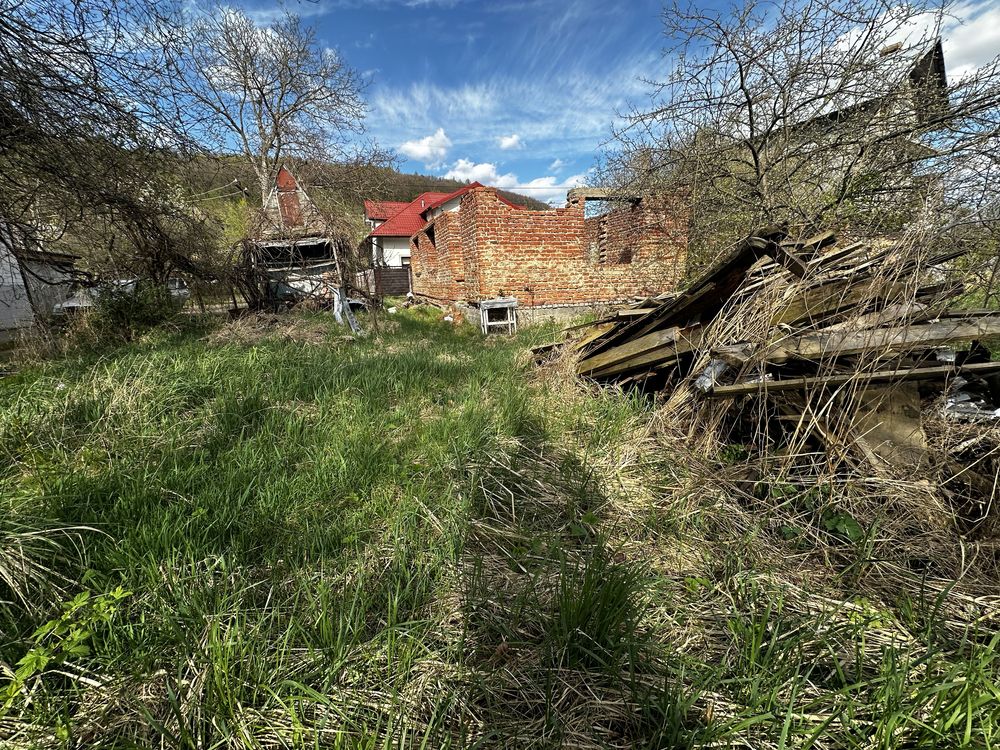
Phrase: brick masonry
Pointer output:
(488, 249)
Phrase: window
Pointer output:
(404, 261)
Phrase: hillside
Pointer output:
(406, 187)
(351, 184)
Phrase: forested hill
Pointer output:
(213, 175)
(406, 187)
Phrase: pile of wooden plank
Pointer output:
(801, 317)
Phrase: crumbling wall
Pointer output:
(437, 260)
(615, 236)
(548, 257)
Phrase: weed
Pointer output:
(414, 539)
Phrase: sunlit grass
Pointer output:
(413, 539)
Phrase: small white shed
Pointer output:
(32, 282)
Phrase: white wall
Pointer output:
(49, 283)
(15, 307)
(392, 250)
(453, 205)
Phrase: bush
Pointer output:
(128, 311)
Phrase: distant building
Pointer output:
(295, 247)
(474, 244)
(392, 224)
(478, 246)
(32, 282)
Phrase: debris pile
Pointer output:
(845, 344)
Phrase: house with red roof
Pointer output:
(473, 244)
(393, 223)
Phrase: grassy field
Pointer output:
(270, 534)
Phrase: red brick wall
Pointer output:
(488, 249)
(438, 264)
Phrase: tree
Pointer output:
(76, 100)
(270, 93)
(813, 112)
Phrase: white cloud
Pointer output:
(970, 33)
(556, 165)
(507, 142)
(972, 38)
(467, 170)
(431, 149)
(550, 189)
(568, 112)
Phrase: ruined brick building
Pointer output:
(484, 247)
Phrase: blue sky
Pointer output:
(522, 93)
(509, 92)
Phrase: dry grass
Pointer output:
(423, 541)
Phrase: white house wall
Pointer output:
(394, 249)
(453, 205)
(48, 284)
(15, 306)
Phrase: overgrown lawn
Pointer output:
(272, 534)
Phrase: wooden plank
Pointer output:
(820, 301)
(790, 261)
(818, 241)
(717, 284)
(599, 330)
(842, 295)
(659, 356)
(832, 258)
(632, 349)
(631, 312)
(888, 314)
(841, 343)
(812, 346)
(814, 381)
(688, 340)
(888, 427)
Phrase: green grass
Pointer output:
(294, 538)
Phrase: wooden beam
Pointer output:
(632, 349)
(599, 330)
(708, 293)
(687, 341)
(841, 343)
(812, 346)
(827, 381)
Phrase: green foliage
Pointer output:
(124, 311)
(63, 639)
(234, 217)
(410, 539)
(595, 619)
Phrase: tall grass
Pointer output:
(416, 540)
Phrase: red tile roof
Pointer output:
(462, 191)
(409, 220)
(382, 210)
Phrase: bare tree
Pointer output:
(270, 93)
(76, 99)
(817, 112)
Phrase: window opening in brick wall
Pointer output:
(612, 236)
(594, 207)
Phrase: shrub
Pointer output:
(131, 309)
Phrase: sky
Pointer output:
(522, 93)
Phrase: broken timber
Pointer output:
(776, 316)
